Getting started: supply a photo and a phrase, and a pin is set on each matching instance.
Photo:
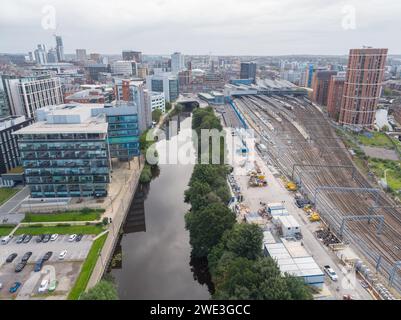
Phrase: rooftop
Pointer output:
(67, 118)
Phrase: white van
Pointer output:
(6, 239)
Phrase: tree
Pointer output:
(206, 227)
(104, 290)
(168, 106)
(241, 278)
(156, 114)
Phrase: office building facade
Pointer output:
(9, 152)
(81, 55)
(335, 94)
(26, 95)
(133, 92)
(177, 62)
(65, 153)
(166, 83)
(125, 68)
(60, 49)
(129, 55)
(320, 86)
(248, 71)
(362, 86)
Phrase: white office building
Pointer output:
(177, 62)
(156, 100)
(164, 82)
(28, 94)
(125, 68)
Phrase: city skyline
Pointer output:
(224, 27)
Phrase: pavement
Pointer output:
(276, 192)
(8, 211)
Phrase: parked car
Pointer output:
(39, 238)
(1, 286)
(43, 286)
(11, 257)
(301, 202)
(15, 287)
(20, 238)
(331, 273)
(62, 255)
(47, 255)
(26, 256)
(46, 238)
(27, 238)
(6, 239)
(72, 237)
(38, 265)
(20, 266)
(53, 285)
(54, 237)
(79, 237)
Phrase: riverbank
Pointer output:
(154, 255)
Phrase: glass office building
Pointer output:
(66, 153)
(123, 136)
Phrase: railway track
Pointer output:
(288, 146)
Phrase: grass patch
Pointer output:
(83, 215)
(65, 229)
(4, 231)
(87, 268)
(378, 139)
(7, 193)
(378, 166)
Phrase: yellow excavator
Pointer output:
(291, 186)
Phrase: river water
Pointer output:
(154, 248)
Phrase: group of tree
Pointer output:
(145, 143)
(156, 115)
(238, 268)
(205, 119)
(105, 289)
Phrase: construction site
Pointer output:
(299, 144)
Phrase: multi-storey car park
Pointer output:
(302, 144)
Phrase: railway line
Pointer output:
(304, 136)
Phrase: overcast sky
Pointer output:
(236, 27)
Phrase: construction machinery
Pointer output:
(314, 217)
(291, 186)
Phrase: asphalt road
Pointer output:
(8, 210)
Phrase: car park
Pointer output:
(54, 237)
(26, 256)
(53, 285)
(20, 266)
(72, 237)
(79, 237)
(38, 265)
(39, 238)
(11, 257)
(27, 238)
(15, 287)
(330, 272)
(6, 239)
(46, 238)
(43, 286)
(47, 255)
(20, 239)
(62, 255)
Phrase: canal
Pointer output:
(154, 255)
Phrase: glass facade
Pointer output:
(65, 164)
(123, 136)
